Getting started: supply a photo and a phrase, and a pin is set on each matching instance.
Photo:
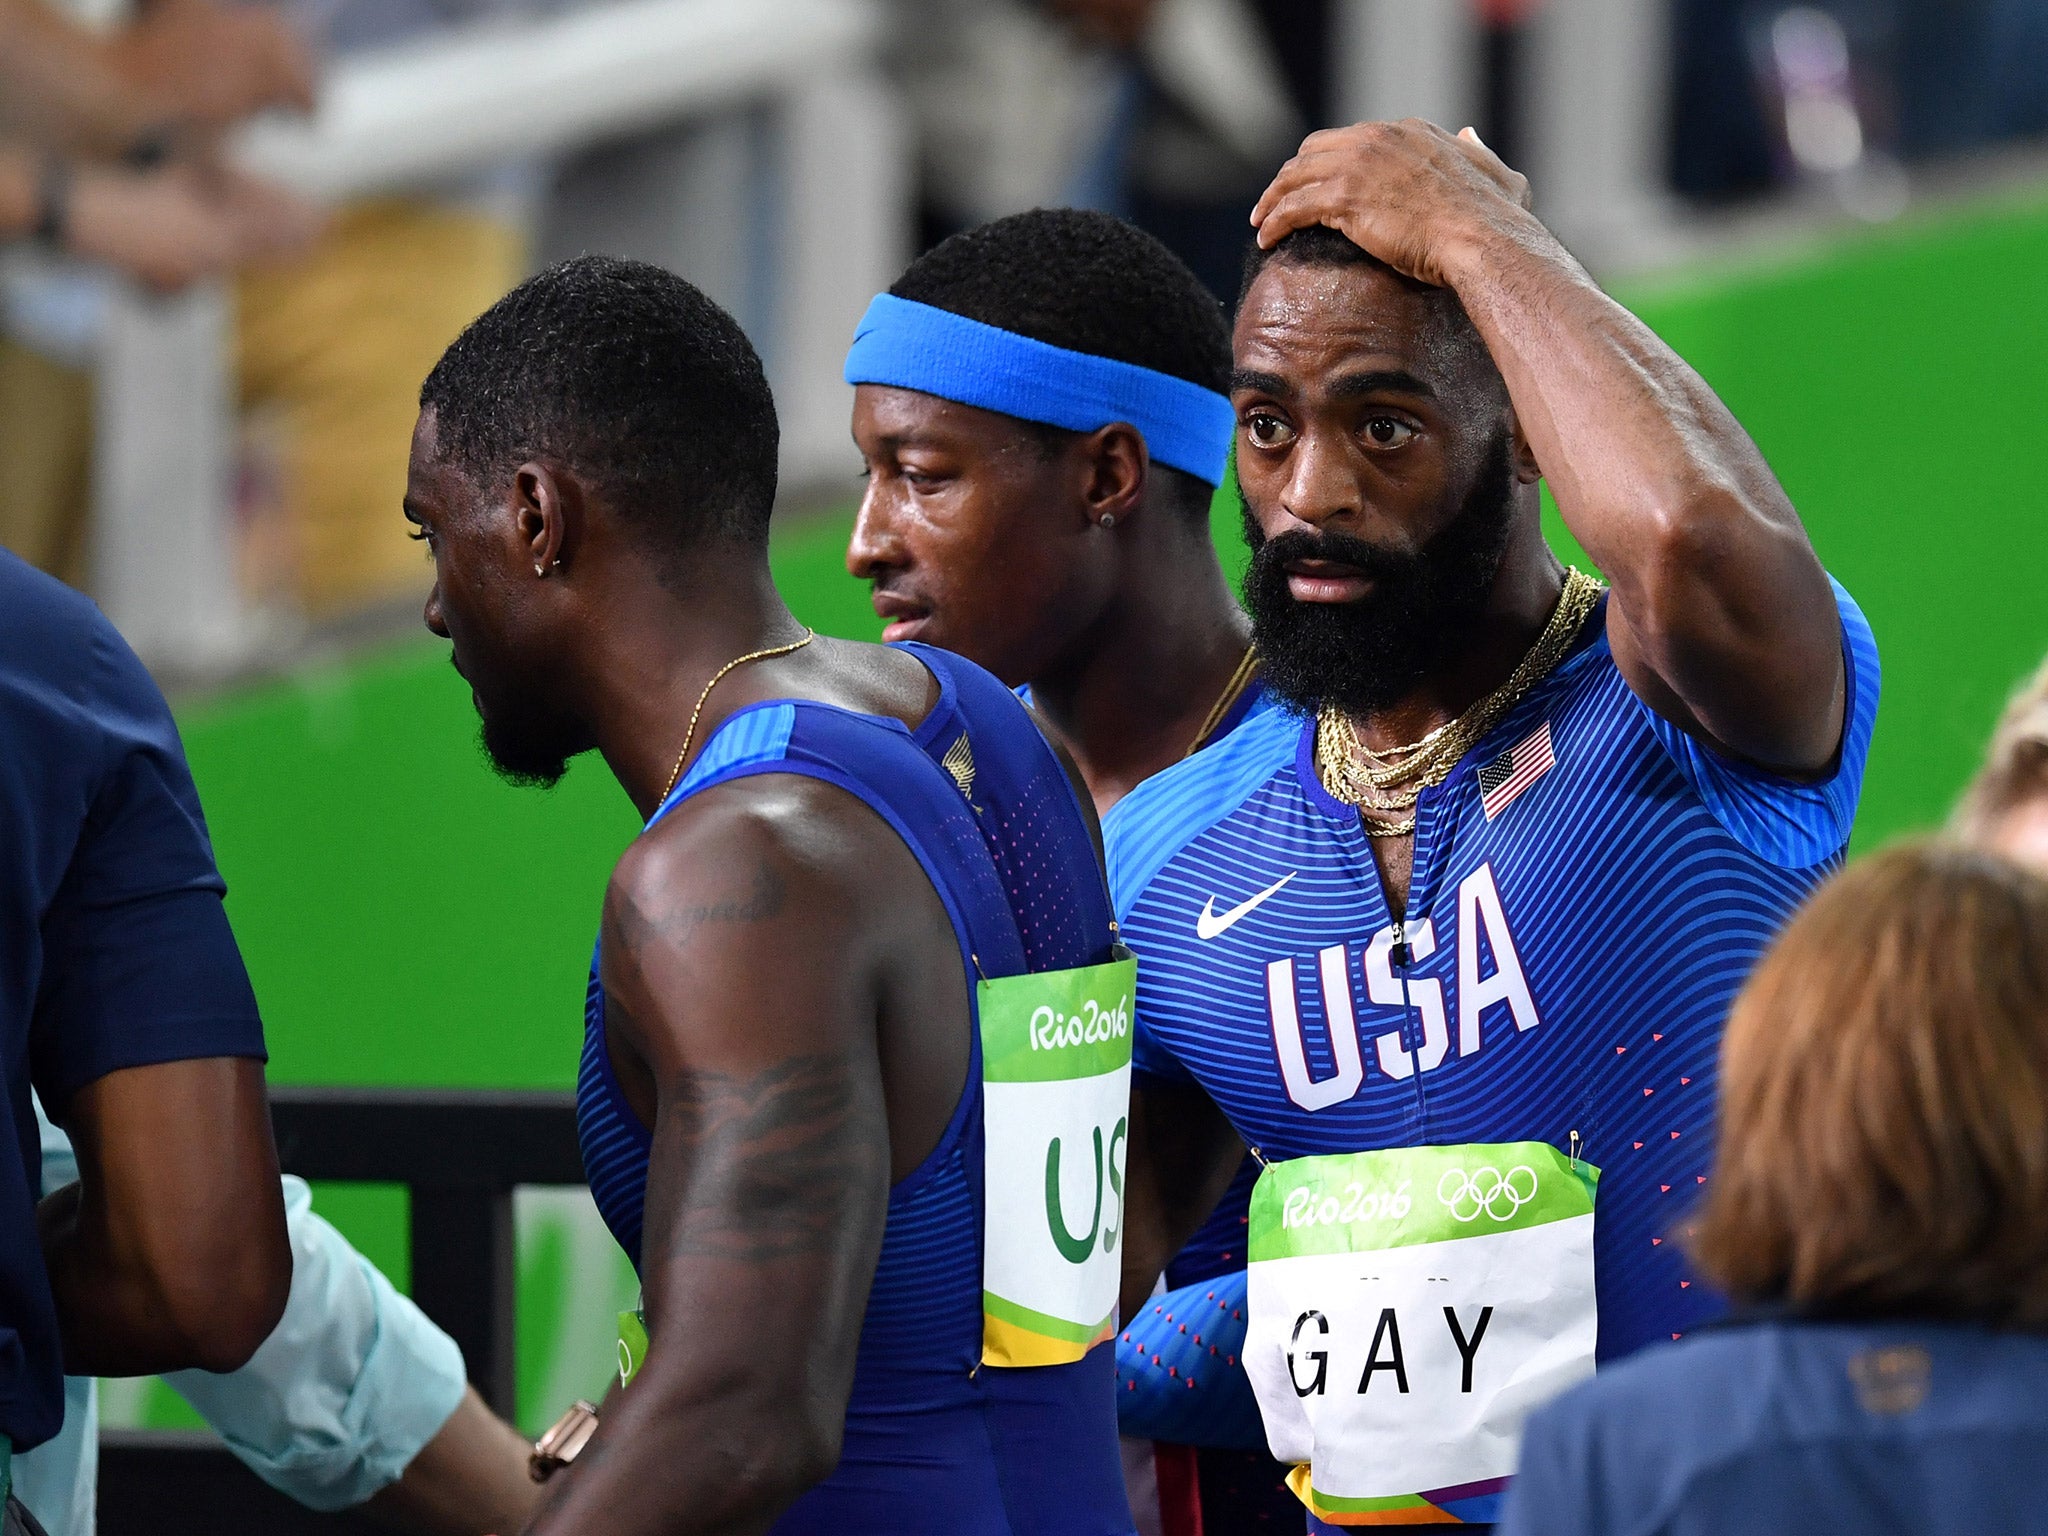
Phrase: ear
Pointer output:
(1117, 466)
(547, 508)
(1527, 470)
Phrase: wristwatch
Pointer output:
(563, 1442)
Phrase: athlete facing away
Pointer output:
(1450, 941)
(782, 1104)
(1071, 554)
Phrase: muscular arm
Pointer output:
(741, 966)
(1182, 1156)
(170, 1251)
(1722, 618)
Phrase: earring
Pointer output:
(1108, 520)
(539, 569)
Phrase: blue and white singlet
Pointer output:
(1591, 886)
(936, 1444)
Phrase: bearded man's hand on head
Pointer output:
(1420, 199)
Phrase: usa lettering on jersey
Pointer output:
(1480, 913)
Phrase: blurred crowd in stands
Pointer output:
(1172, 113)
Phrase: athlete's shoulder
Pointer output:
(747, 848)
(974, 689)
(1145, 830)
(1786, 822)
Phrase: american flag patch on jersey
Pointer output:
(1515, 770)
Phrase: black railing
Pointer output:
(460, 1155)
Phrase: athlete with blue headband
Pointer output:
(909, 345)
(1039, 402)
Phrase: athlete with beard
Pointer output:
(1449, 942)
(856, 983)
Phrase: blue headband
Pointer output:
(915, 346)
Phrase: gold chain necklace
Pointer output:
(1385, 785)
(718, 677)
(1247, 668)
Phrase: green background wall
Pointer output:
(409, 919)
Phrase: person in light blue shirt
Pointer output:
(1875, 1210)
(338, 1406)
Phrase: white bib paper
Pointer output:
(1056, 1086)
(1408, 1309)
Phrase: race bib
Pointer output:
(1408, 1309)
(1056, 1085)
(632, 1345)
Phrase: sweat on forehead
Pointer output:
(1450, 346)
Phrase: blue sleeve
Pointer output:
(1792, 825)
(139, 965)
(1178, 1373)
(350, 1385)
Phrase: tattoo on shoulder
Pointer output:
(639, 921)
(771, 1163)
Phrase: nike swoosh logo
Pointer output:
(1210, 922)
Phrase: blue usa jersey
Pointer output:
(934, 1445)
(1591, 886)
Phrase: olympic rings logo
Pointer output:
(1467, 1193)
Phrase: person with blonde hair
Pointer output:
(1877, 1213)
(2005, 809)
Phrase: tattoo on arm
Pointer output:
(770, 1164)
(678, 923)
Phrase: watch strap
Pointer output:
(563, 1441)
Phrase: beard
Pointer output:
(1366, 655)
(525, 743)
(520, 761)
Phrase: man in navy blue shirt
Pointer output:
(123, 1000)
